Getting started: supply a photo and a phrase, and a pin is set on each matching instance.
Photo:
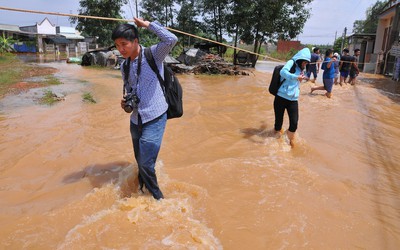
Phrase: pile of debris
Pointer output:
(213, 64)
(194, 61)
(198, 62)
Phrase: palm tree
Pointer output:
(6, 44)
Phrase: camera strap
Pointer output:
(127, 65)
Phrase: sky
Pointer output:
(331, 16)
(328, 17)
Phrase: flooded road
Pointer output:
(68, 177)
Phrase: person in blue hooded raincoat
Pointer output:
(288, 94)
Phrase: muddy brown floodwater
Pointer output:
(68, 177)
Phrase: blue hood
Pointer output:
(290, 87)
(304, 54)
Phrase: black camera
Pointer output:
(131, 102)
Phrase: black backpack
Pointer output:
(170, 85)
(276, 82)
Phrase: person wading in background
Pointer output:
(314, 65)
(354, 71)
(288, 94)
(329, 74)
(336, 66)
(144, 97)
(344, 66)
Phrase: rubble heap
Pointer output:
(208, 64)
(193, 61)
(213, 64)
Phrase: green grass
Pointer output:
(283, 56)
(48, 98)
(9, 76)
(51, 80)
(10, 72)
(87, 97)
(7, 57)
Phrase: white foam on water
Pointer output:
(74, 235)
(160, 223)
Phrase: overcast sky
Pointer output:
(327, 16)
(331, 16)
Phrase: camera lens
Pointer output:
(128, 109)
(131, 102)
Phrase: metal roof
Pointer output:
(15, 29)
(10, 27)
(170, 60)
(71, 36)
(366, 35)
(59, 40)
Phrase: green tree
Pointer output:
(370, 24)
(337, 46)
(253, 21)
(6, 44)
(160, 10)
(285, 20)
(237, 21)
(186, 21)
(95, 27)
(214, 15)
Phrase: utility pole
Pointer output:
(344, 37)
(137, 12)
(335, 38)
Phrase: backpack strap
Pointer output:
(153, 66)
(292, 70)
(126, 67)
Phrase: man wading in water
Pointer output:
(144, 96)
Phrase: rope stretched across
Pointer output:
(130, 20)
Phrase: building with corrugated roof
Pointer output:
(45, 37)
(388, 38)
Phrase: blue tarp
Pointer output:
(24, 48)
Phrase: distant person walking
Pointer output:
(313, 67)
(344, 67)
(288, 94)
(354, 71)
(336, 66)
(329, 74)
